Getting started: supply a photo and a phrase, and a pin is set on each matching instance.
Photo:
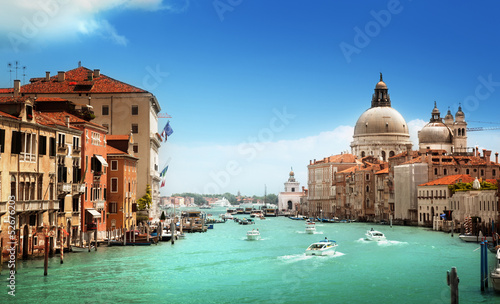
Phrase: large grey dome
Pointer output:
(379, 121)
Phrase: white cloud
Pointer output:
(249, 166)
(25, 24)
(414, 126)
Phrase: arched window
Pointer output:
(391, 154)
(13, 186)
(362, 153)
(367, 188)
(383, 156)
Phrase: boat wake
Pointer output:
(293, 258)
(382, 243)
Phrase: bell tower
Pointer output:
(381, 98)
(460, 132)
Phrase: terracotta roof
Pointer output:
(76, 81)
(339, 158)
(6, 99)
(117, 137)
(349, 170)
(3, 114)
(45, 99)
(111, 150)
(383, 171)
(61, 116)
(6, 90)
(450, 180)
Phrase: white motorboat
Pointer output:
(475, 238)
(310, 227)
(323, 247)
(253, 235)
(256, 213)
(227, 216)
(374, 235)
(495, 274)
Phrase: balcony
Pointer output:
(24, 206)
(91, 226)
(78, 189)
(64, 187)
(99, 205)
(53, 205)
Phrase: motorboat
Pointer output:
(227, 216)
(495, 274)
(469, 237)
(256, 213)
(310, 227)
(374, 235)
(323, 247)
(253, 235)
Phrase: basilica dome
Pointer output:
(435, 132)
(381, 131)
(380, 120)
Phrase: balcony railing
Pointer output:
(35, 205)
(78, 188)
(53, 205)
(99, 205)
(64, 187)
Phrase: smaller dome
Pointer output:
(449, 116)
(459, 112)
(381, 85)
(435, 133)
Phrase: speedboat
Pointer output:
(374, 235)
(253, 235)
(323, 247)
(469, 237)
(227, 216)
(310, 227)
(495, 274)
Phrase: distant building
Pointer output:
(289, 200)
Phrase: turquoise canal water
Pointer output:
(221, 266)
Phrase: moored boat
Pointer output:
(323, 247)
(495, 274)
(374, 235)
(469, 237)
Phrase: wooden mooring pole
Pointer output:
(453, 280)
(46, 256)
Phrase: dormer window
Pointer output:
(29, 112)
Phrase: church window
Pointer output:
(293, 189)
(391, 154)
(445, 171)
(467, 171)
(459, 132)
(482, 172)
(494, 172)
(362, 153)
(435, 171)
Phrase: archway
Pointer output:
(432, 213)
(290, 205)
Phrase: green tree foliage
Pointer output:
(145, 202)
(468, 186)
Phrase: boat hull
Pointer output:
(495, 281)
(253, 237)
(329, 251)
(474, 238)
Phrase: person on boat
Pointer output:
(371, 229)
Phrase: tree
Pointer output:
(146, 201)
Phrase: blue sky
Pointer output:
(256, 87)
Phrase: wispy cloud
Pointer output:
(25, 24)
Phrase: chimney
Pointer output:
(487, 155)
(477, 151)
(496, 157)
(90, 75)
(97, 73)
(61, 76)
(47, 76)
(66, 119)
(17, 87)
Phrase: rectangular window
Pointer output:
(15, 148)
(42, 145)
(105, 110)
(135, 110)
(114, 185)
(2, 140)
(52, 146)
(76, 143)
(114, 165)
(113, 207)
(61, 140)
(135, 148)
(76, 200)
(135, 128)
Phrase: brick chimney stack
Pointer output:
(61, 76)
(97, 73)
(47, 76)
(496, 157)
(17, 87)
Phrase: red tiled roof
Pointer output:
(3, 114)
(76, 81)
(6, 99)
(61, 117)
(117, 137)
(45, 99)
(339, 158)
(112, 150)
(6, 90)
(383, 171)
(450, 180)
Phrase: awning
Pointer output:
(101, 159)
(94, 213)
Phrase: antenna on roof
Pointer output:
(9, 65)
(79, 63)
(24, 75)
